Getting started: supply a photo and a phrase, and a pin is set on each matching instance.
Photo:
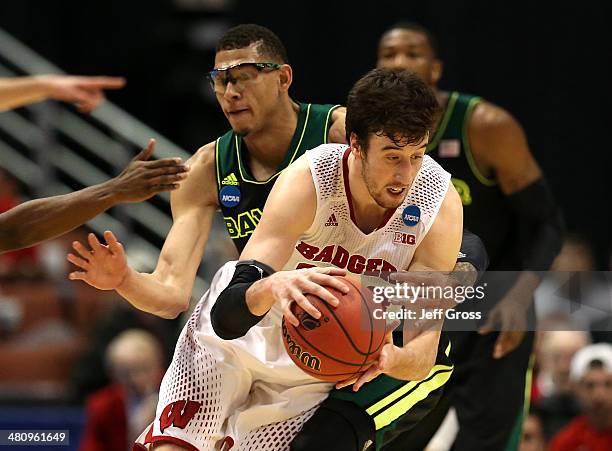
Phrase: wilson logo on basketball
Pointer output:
(332, 221)
(406, 239)
(308, 322)
(311, 361)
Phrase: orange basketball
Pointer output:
(343, 342)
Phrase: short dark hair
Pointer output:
(398, 105)
(242, 36)
(413, 26)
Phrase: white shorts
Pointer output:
(247, 389)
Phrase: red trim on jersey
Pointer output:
(386, 217)
(347, 188)
(176, 441)
(388, 214)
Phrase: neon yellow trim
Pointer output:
(450, 106)
(448, 349)
(256, 182)
(217, 162)
(466, 145)
(528, 382)
(302, 135)
(393, 413)
(403, 390)
(327, 122)
(463, 189)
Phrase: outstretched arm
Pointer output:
(87, 92)
(165, 292)
(42, 219)
(501, 149)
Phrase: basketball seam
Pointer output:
(365, 355)
(346, 334)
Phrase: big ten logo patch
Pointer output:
(178, 414)
(406, 239)
(244, 224)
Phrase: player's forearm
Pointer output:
(167, 291)
(541, 235)
(148, 293)
(417, 358)
(522, 291)
(42, 219)
(20, 91)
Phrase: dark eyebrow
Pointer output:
(392, 147)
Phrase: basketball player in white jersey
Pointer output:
(340, 208)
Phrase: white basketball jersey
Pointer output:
(333, 239)
(249, 388)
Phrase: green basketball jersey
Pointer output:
(486, 211)
(241, 197)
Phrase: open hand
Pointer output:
(103, 266)
(142, 179)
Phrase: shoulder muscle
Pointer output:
(199, 189)
(500, 145)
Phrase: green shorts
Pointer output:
(386, 399)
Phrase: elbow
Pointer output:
(422, 368)
(420, 373)
(173, 311)
(221, 327)
(225, 334)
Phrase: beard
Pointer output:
(380, 194)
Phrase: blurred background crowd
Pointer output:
(72, 357)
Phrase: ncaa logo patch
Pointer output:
(411, 215)
(229, 196)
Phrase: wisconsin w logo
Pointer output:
(178, 414)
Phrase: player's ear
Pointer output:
(436, 71)
(286, 77)
(356, 147)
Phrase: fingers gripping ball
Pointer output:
(343, 342)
